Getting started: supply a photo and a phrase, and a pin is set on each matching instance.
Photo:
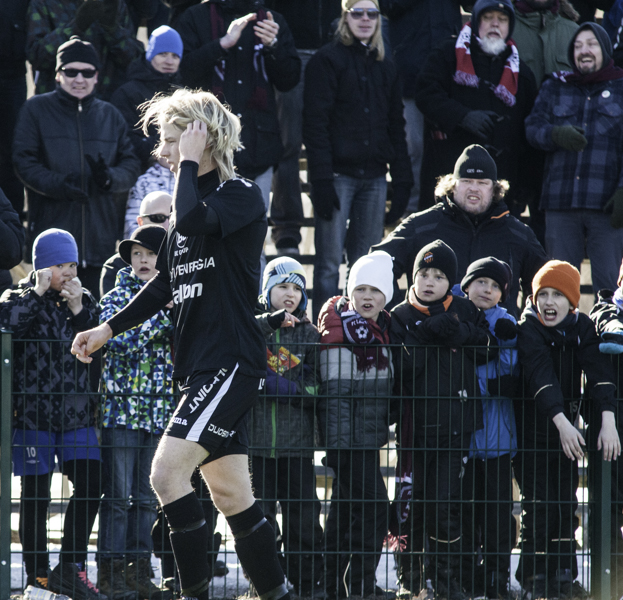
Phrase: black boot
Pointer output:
(564, 587)
(498, 586)
(535, 588)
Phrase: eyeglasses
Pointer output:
(371, 13)
(157, 218)
(86, 73)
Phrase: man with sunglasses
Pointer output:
(155, 209)
(73, 154)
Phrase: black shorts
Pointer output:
(213, 409)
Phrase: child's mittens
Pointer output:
(612, 343)
(278, 387)
(505, 329)
(275, 319)
(441, 327)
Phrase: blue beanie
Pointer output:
(284, 270)
(54, 247)
(164, 39)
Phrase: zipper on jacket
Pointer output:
(82, 185)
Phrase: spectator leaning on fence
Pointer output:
(137, 404)
(557, 343)
(282, 425)
(437, 385)
(489, 529)
(353, 417)
(55, 414)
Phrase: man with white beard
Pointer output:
(474, 89)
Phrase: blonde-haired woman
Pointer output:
(209, 267)
(353, 129)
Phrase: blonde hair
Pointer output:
(185, 106)
(446, 183)
(345, 35)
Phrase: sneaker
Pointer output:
(220, 569)
(572, 590)
(67, 579)
(38, 580)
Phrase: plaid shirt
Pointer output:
(587, 179)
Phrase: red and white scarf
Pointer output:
(465, 74)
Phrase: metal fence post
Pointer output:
(6, 416)
(600, 538)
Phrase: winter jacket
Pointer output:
(415, 28)
(144, 82)
(50, 387)
(587, 179)
(137, 378)
(353, 405)
(441, 381)
(494, 233)
(11, 241)
(204, 59)
(52, 22)
(445, 104)
(499, 434)
(53, 135)
(553, 359)
(13, 23)
(542, 39)
(282, 422)
(352, 115)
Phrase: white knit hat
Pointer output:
(348, 4)
(375, 269)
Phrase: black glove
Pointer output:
(615, 207)
(276, 319)
(100, 173)
(72, 190)
(480, 123)
(569, 137)
(108, 18)
(88, 12)
(440, 327)
(324, 198)
(399, 199)
(505, 329)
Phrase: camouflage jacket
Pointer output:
(50, 387)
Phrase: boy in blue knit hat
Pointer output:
(54, 412)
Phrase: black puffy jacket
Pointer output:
(53, 135)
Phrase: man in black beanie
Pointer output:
(578, 121)
(473, 220)
(73, 154)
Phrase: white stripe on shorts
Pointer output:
(200, 424)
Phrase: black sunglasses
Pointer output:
(157, 218)
(86, 73)
(357, 13)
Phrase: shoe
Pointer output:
(38, 580)
(535, 588)
(67, 579)
(137, 578)
(220, 569)
(111, 579)
(573, 591)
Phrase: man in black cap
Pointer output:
(474, 221)
(73, 154)
(578, 121)
(475, 90)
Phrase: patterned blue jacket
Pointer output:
(587, 179)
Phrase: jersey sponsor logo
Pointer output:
(193, 265)
(179, 421)
(205, 390)
(180, 240)
(186, 291)
(219, 431)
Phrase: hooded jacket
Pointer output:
(50, 387)
(137, 377)
(53, 135)
(282, 422)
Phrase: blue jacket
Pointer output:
(587, 179)
(499, 435)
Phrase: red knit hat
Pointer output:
(561, 276)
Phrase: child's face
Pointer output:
(368, 301)
(484, 292)
(286, 295)
(553, 306)
(143, 262)
(62, 274)
(430, 284)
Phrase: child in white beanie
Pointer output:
(353, 415)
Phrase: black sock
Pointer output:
(189, 540)
(257, 552)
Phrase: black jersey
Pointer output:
(212, 277)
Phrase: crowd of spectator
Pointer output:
(490, 135)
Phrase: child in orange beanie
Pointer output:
(556, 345)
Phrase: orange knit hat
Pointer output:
(561, 276)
